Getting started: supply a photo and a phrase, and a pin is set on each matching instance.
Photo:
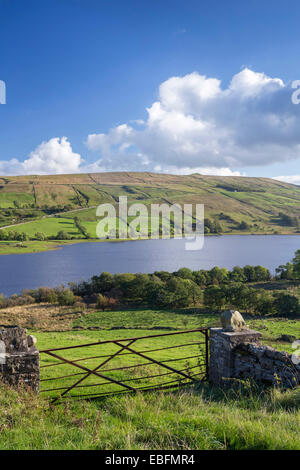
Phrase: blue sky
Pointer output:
(86, 70)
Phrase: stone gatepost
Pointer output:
(222, 352)
(19, 358)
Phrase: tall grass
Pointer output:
(242, 417)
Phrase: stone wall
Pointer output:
(240, 355)
(19, 358)
(266, 365)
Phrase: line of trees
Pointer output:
(215, 289)
(81, 228)
(13, 235)
(290, 270)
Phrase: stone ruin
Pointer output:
(19, 358)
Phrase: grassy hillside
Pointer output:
(54, 201)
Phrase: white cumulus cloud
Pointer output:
(52, 157)
(292, 179)
(197, 124)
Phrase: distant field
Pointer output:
(50, 226)
(11, 248)
(228, 200)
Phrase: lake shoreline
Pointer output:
(35, 247)
(75, 262)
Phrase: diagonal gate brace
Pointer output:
(156, 362)
(93, 371)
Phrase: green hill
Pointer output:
(234, 204)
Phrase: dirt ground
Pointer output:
(45, 317)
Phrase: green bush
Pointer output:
(66, 297)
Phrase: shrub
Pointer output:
(287, 305)
(102, 302)
(65, 297)
(46, 294)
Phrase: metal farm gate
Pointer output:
(144, 363)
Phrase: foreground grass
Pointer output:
(203, 418)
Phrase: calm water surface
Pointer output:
(83, 260)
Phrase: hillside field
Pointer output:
(49, 204)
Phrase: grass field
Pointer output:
(198, 417)
(50, 226)
(33, 246)
(185, 353)
(15, 248)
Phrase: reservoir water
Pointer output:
(83, 260)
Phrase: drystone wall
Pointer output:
(19, 358)
(240, 355)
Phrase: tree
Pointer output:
(237, 274)
(184, 273)
(212, 226)
(290, 270)
(62, 235)
(3, 235)
(102, 302)
(195, 294)
(285, 271)
(264, 304)
(124, 282)
(177, 289)
(163, 275)
(249, 272)
(288, 220)
(40, 236)
(240, 296)
(46, 294)
(287, 305)
(244, 226)
(156, 294)
(296, 264)
(214, 297)
(218, 275)
(65, 297)
(103, 283)
(201, 277)
(137, 287)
